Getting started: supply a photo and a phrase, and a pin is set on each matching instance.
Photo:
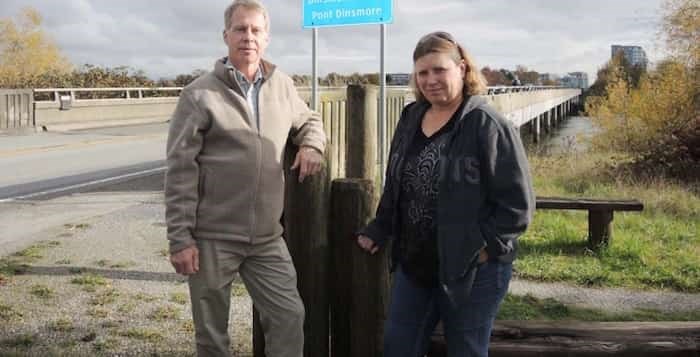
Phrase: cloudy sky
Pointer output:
(169, 37)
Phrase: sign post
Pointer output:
(327, 13)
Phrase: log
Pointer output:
(579, 339)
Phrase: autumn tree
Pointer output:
(494, 77)
(656, 119)
(26, 52)
(526, 76)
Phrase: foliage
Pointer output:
(495, 77)
(27, 53)
(655, 117)
(526, 76)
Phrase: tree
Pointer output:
(653, 116)
(495, 78)
(681, 28)
(526, 76)
(184, 79)
(27, 53)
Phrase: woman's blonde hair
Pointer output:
(443, 42)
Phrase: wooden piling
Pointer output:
(306, 233)
(361, 147)
(360, 281)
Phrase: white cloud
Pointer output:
(165, 38)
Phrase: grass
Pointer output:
(238, 289)
(98, 312)
(90, 281)
(19, 262)
(115, 265)
(179, 298)
(105, 344)
(41, 291)
(162, 313)
(62, 325)
(21, 341)
(658, 248)
(530, 308)
(142, 334)
(8, 313)
(105, 297)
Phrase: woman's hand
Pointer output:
(367, 244)
(483, 256)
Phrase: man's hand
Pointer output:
(367, 244)
(308, 160)
(186, 261)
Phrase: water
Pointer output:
(572, 135)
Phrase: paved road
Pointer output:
(48, 164)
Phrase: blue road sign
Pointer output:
(321, 13)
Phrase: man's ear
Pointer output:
(223, 35)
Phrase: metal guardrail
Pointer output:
(16, 108)
(81, 94)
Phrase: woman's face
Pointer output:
(439, 78)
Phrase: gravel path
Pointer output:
(102, 285)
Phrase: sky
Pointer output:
(165, 38)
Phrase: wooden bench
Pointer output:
(600, 214)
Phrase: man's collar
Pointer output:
(240, 76)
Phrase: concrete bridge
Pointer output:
(538, 108)
(533, 109)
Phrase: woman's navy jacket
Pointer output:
(485, 193)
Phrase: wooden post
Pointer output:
(361, 146)
(599, 227)
(360, 280)
(306, 233)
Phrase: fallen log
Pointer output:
(586, 339)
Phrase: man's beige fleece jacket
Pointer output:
(224, 176)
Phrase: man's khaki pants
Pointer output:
(269, 276)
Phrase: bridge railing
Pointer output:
(16, 108)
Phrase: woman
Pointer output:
(457, 195)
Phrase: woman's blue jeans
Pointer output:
(414, 312)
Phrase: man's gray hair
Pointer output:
(248, 4)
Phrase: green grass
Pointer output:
(8, 313)
(238, 289)
(530, 308)
(105, 297)
(41, 291)
(179, 298)
(162, 313)
(143, 334)
(89, 280)
(658, 248)
(98, 312)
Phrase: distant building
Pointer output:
(397, 79)
(548, 78)
(575, 80)
(635, 55)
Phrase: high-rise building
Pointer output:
(575, 80)
(635, 55)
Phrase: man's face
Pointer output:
(247, 38)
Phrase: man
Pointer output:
(224, 186)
